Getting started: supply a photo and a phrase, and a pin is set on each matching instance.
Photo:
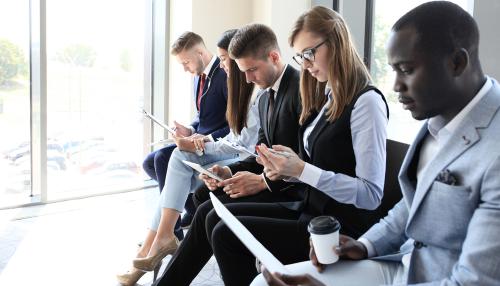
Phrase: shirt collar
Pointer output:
(277, 83)
(207, 69)
(437, 124)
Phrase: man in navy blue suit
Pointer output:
(210, 95)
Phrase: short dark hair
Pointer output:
(255, 40)
(442, 27)
(185, 42)
(225, 39)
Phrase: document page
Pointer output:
(266, 258)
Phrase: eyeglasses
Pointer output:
(307, 54)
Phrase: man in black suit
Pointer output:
(255, 50)
(210, 96)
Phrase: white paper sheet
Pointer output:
(256, 248)
(202, 170)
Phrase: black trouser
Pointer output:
(275, 226)
(201, 195)
(196, 248)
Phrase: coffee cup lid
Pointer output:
(323, 225)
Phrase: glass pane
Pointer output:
(95, 91)
(402, 127)
(15, 159)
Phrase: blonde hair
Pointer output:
(185, 42)
(347, 73)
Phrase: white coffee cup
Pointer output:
(324, 232)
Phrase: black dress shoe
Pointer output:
(186, 220)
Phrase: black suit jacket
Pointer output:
(284, 128)
(211, 118)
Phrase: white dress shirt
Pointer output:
(206, 71)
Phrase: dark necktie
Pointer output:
(270, 108)
(200, 90)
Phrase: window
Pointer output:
(15, 159)
(402, 127)
(95, 92)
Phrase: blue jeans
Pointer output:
(155, 165)
(182, 179)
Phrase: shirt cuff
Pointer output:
(310, 175)
(210, 138)
(193, 131)
(370, 249)
(265, 182)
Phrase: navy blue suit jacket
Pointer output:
(211, 117)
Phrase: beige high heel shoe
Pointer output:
(149, 263)
(131, 277)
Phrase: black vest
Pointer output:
(331, 145)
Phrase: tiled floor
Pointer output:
(81, 242)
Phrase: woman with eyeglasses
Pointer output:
(342, 153)
(243, 119)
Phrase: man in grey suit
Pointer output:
(446, 229)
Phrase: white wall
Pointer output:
(353, 12)
(486, 14)
(209, 19)
(284, 13)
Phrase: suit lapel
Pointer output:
(452, 149)
(404, 177)
(465, 136)
(280, 94)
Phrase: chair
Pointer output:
(396, 152)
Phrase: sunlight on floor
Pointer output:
(83, 242)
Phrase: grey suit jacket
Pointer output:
(452, 231)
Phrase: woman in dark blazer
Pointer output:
(342, 153)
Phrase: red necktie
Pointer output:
(200, 90)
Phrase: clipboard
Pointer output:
(170, 130)
(202, 170)
(256, 248)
